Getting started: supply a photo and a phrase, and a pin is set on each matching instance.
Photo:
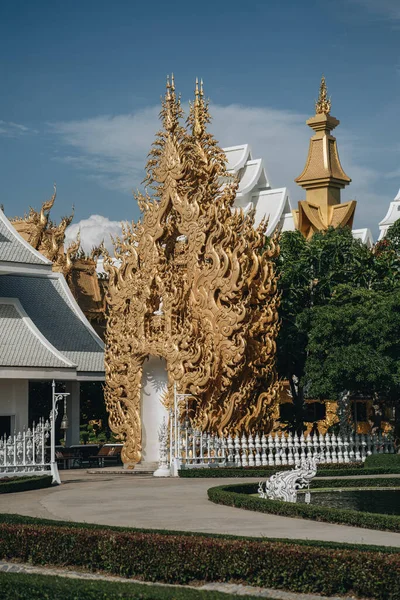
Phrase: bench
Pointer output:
(66, 458)
(109, 453)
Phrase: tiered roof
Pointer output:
(42, 329)
(255, 191)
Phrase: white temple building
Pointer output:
(255, 191)
(44, 335)
(391, 216)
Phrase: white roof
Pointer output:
(391, 216)
(21, 342)
(15, 250)
(364, 235)
(255, 192)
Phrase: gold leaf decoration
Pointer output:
(194, 284)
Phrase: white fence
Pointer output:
(196, 449)
(25, 453)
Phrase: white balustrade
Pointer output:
(257, 449)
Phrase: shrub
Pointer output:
(12, 519)
(383, 460)
(36, 587)
(239, 496)
(186, 558)
(10, 485)
(325, 470)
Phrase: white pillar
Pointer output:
(73, 411)
(152, 411)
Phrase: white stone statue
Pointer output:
(285, 484)
(163, 467)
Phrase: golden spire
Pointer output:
(197, 125)
(323, 104)
(323, 176)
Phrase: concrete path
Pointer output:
(172, 503)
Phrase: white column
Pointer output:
(73, 411)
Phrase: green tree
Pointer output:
(310, 271)
(354, 344)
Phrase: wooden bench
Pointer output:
(109, 453)
(66, 458)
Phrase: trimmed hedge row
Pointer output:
(12, 519)
(183, 559)
(23, 484)
(239, 496)
(383, 460)
(19, 586)
(326, 471)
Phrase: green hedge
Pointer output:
(239, 496)
(383, 460)
(23, 484)
(184, 559)
(12, 519)
(18, 586)
(325, 471)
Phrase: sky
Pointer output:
(81, 83)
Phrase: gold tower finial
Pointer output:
(323, 104)
(198, 126)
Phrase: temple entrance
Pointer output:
(152, 411)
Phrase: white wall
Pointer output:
(154, 382)
(14, 401)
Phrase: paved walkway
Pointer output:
(227, 588)
(171, 503)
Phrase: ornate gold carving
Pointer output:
(323, 176)
(323, 104)
(79, 270)
(195, 285)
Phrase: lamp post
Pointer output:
(56, 397)
(174, 443)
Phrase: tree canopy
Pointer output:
(340, 315)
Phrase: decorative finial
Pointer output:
(197, 124)
(172, 82)
(323, 104)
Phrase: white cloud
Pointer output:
(10, 129)
(93, 231)
(113, 150)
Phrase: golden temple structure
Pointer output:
(78, 269)
(196, 288)
(323, 176)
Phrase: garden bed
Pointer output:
(184, 558)
(10, 485)
(240, 496)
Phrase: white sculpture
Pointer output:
(163, 467)
(285, 484)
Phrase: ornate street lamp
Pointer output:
(56, 397)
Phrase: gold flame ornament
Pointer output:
(195, 285)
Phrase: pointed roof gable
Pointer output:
(14, 249)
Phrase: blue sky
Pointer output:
(81, 83)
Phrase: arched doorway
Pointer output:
(152, 410)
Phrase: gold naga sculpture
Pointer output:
(194, 284)
(323, 176)
(78, 269)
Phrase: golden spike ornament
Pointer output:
(194, 283)
(323, 104)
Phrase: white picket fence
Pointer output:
(24, 453)
(197, 449)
